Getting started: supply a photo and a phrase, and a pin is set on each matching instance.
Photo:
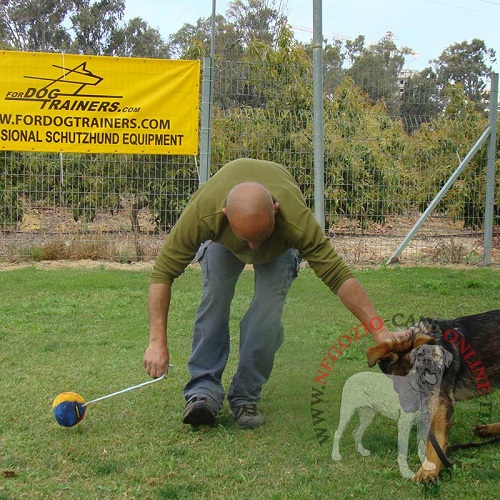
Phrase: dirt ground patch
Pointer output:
(51, 239)
(78, 264)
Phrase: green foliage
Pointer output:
(362, 156)
(376, 71)
(137, 39)
(168, 193)
(247, 22)
(39, 178)
(11, 209)
(34, 26)
(79, 26)
(441, 145)
(89, 183)
(371, 161)
(93, 24)
(380, 143)
(421, 100)
(83, 190)
(466, 63)
(257, 20)
(193, 41)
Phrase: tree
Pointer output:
(181, 42)
(440, 145)
(93, 25)
(258, 19)
(11, 207)
(34, 25)
(137, 39)
(363, 149)
(421, 100)
(469, 64)
(276, 78)
(78, 26)
(193, 41)
(246, 22)
(333, 61)
(354, 48)
(4, 28)
(376, 70)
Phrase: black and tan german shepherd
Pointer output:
(474, 342)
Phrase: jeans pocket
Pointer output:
(293, 270)
(200, 257)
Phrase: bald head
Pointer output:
(250, 209)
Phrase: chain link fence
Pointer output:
(389, 148)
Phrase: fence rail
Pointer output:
(385, 159)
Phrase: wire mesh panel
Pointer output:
(91, 206)
(389, 147)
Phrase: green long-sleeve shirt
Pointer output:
(295, 225)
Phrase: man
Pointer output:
(249, 212)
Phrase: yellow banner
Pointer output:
(95, 104)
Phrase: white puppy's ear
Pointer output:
(413, 356)
(447, 356)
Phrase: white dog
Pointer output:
(409, 400)
(370, 393)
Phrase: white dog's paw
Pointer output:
(336, 456)
(363, 451)
(406, 472)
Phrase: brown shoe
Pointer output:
(247, 416)
(199, 412)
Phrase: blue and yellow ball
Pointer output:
(68, 408)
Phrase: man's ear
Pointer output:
(224, 211)
(276, 206)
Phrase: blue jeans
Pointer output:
(261, 329)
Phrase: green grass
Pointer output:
(86, 331)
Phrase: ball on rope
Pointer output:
(68, 408)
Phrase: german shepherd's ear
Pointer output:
(380, 351)
(421, 339)
(390, 348)
(405, 344)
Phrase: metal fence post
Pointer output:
(490, 171)
(319, 174)
(207, 98)
(434, 203)
(206, 119)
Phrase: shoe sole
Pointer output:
(199, 414)
(246, 425)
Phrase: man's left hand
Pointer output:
(386, 335)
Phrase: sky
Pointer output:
(426, 26)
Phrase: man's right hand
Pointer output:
(156, 360)
(156, 356)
